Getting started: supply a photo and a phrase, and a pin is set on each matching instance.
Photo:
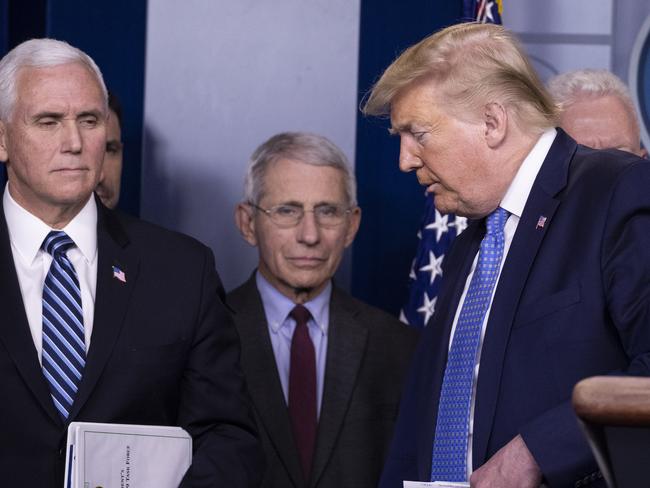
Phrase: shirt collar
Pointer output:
(515, 198)
(277, 306)
(27, 231)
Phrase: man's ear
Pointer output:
(246, 222)
(4, 154)
(355, 221)
(495, 118)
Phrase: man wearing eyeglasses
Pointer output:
(324, 370)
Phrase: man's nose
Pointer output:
(308, 229)
(71, 137)
(408, 159)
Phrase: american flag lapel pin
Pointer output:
(118, 274)
(541, 222)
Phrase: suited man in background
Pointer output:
(324, 370)
(105, 318)
(546, 286)
(110, 178)
(596, 109)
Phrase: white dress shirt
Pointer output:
(514, 202)
(26, 234)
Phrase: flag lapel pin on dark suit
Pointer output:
(118, 274)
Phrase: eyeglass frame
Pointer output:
(269, 213)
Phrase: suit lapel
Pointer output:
(112, 298)
(541, 203)
(258, 362)
(345, 350)
(15, 333)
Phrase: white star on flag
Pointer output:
(403, 318)
(434, 266)
(412, 274)
(440, 225)
(428, 307)
(488, 12)
(460, 223)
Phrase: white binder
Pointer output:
(126, 456)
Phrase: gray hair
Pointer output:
(38, 53)
(299, 146)
(568, 88)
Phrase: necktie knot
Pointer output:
(56, 243)
(300, 314)
(497, 220)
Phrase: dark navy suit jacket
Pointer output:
(368, 353)
(573, 301)
(164, 351)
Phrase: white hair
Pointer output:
(307, 148)
(568, 88)
(38, 53)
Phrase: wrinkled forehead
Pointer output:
(70, 82)
(294, 181)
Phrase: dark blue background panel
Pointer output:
(392, 202)
(4, 27)
(113, 33)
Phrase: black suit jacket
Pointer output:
(572, 301)
(367, 357)
(163, 351)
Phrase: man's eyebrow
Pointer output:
(394, 130)
(46, 115)
(293, 203)
(92, 113)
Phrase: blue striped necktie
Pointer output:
(449, 458)
(64, 349)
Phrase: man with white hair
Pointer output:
(105, 318)
(324, 370)
(546, 286)
(596, 109)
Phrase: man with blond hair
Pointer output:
(597, 110)
(546, 286)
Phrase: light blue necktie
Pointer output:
(64, 349)
(449, 458)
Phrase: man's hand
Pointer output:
(513, 466)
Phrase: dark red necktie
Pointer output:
(302, 389)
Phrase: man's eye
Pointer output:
(287, 210)
(113, 147)
(46, 123)
(419, 136)
(328, 210)
(88, 122)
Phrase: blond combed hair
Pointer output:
(472, 65)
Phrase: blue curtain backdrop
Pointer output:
(113, 34)
(392, 202)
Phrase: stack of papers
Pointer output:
(126, 456)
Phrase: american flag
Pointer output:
(437, 231)
(118, 274)
(485, 11)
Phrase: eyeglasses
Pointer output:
(287, 215)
